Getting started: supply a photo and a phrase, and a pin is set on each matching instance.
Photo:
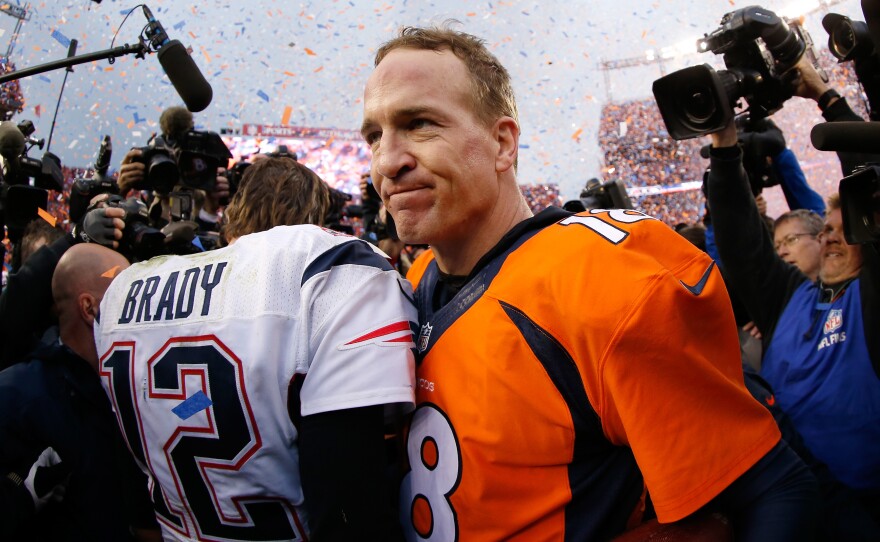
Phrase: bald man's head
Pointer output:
(84, 271)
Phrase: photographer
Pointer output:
(822, 339)
(171, 166)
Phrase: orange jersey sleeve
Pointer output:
(651, 328)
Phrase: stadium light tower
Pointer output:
(20, 13)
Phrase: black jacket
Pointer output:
(55, 399)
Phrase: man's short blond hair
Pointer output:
(492, 95)
(832, 203)
(276, 192)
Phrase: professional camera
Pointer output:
(19, 168)
(234, 176)
(598, 195)
(760, 49)
(235, 173)
(191, 159)
(19, 201)
(850, 40)
(84, 189)
(860, 205)
(139, 239)
(161, 173)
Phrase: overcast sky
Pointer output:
(264, 56)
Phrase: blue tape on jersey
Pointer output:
(196, 403)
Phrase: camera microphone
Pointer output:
(102, 161)
(181, 69)
(857, 137)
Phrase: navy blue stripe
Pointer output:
(355, 252)
(604, 479)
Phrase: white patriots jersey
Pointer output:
(197, 354)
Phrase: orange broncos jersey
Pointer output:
(588, 356)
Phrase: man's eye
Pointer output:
(416, 124)
(372, 137)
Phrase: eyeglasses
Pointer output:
(791, 239)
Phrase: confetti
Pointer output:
(46, 216)
(61, 38)
(111, 273)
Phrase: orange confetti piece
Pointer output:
(577, 134)
(319, 69)
(206, 55)
(285, 117)
(291, 74)
(193, 36)
(46, 216)
(108, 69)
(110, 273)
(310, 52)
(471, 14)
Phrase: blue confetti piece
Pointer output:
(61, 38)
(180, 25)
(137, 118)
(523, 146)
(44, 78)
(196, 403)
(263, 95)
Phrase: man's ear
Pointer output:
(88, 306)
(507, 136)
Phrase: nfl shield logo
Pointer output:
(425, 336)
(834, 321)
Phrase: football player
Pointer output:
(567, 363)
(252, 383)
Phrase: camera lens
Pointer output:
(698, 104)
(843, 40)
(162, 173)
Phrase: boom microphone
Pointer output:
(856, 137)
(181, 69)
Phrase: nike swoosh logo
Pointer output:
(697, 288)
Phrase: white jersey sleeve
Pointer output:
(198, 354)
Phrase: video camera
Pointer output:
(760, 49)
(857, 41)
(84, 189)
(139, 239)
(191, 159)
(850, 40)
(19, 200)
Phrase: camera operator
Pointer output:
(822, 339)
(26, 303)
(175, 122)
